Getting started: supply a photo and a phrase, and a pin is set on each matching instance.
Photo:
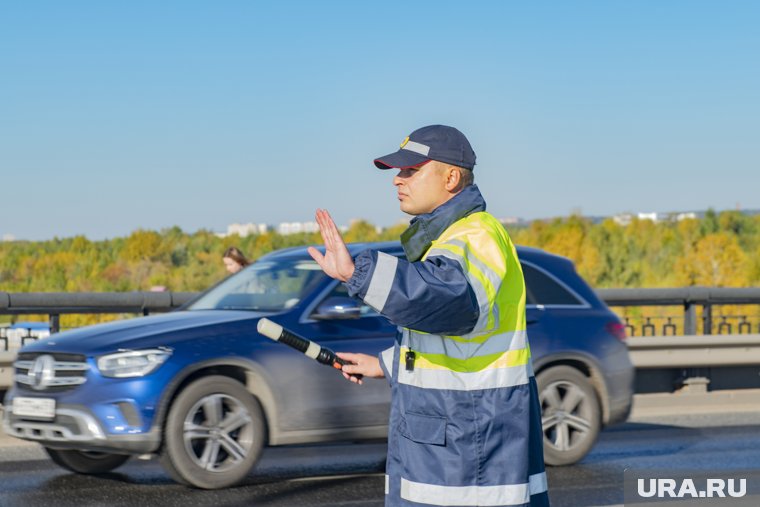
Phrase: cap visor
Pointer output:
(402, 159)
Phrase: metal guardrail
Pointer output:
(56, 303)
(691, 353)
(690, 298)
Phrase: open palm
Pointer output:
(336, 262)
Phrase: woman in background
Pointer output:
(234, 260)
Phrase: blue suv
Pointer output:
(202, 390)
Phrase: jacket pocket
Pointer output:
(424, 429)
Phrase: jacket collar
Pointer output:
(424, 229)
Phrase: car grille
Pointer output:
(50, 372)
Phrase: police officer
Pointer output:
(465, 421)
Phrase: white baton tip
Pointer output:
(269, 329)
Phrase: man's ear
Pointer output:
(453, 178)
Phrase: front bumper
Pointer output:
(75, 427)
(101, 414)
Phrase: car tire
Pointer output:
(213, 435)
(570, 414)
(86, 462)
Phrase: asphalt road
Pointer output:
(352, 475)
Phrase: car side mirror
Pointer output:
(337, 308)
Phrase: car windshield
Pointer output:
(263, 286)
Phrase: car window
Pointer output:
(340, 290)
(543, 289)
(264, 286)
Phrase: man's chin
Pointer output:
(409, 210)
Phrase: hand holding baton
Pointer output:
(309, 348)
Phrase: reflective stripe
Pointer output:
(478, 287)
(387, 357)
(478, 363)
(313, 350)
(485, 274)
(490, 378)
(538, 483)
(416, 148)
(405, 337)
(387, 484)
(461, 349)
(382, 281)
(472, 256)
(494, 276)
(507, 494)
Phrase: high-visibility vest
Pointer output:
(496, 352)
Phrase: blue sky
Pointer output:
(123, 115)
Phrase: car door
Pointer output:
(326, 399)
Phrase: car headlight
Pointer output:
(137, 363)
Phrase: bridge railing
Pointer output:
(698, 306)
(54, 304)
(690, 299)
(695, 358)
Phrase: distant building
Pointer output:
(286, 228)
(244, 230)
(686, 216)
(653, 216)
(511, 221)
(623, 218)
(9, 237)
(626, 218)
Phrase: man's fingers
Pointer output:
(353, 379)
(332, 230)
(316, 255)
(337, 238)
(330, 234)
(326, 224)
(348, 356)
(351, 369)
(323, 229)
(333, 227)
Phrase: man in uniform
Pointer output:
(465, 422)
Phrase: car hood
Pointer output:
(153, 331)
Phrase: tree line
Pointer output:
(718, 250)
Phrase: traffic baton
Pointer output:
(309, 348)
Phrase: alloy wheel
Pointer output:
(218, 432)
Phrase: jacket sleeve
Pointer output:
(432, 296)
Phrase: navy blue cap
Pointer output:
(434, 142)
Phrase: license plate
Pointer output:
(42, 408)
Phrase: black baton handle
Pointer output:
(309, 348)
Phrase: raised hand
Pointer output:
(336, 262)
